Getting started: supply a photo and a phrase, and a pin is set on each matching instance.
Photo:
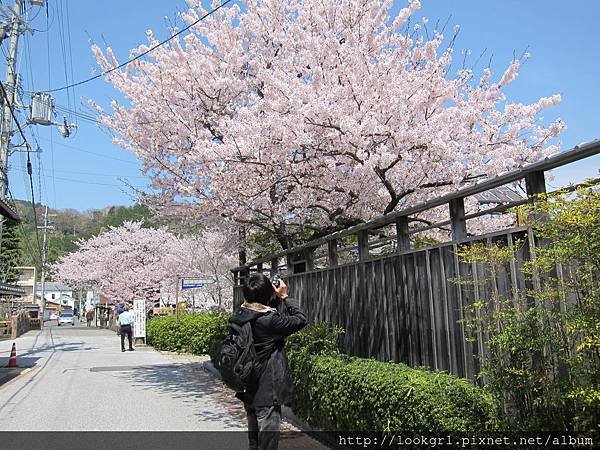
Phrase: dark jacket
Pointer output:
(270, 326)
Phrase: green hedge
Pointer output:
(193, 333)
(341, 393)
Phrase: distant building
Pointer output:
(57, 297)
(27, 282)
(54, 291)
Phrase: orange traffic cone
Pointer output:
(12, 362)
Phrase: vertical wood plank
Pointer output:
(449, 351)
(432, 316)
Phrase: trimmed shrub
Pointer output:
(354, 394)
(193, 333)
(341, 393)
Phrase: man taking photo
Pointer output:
(273, 316)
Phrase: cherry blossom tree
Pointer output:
(303, 113)
(132, 262)
(210, 254)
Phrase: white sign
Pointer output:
(139, 315)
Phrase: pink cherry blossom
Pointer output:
(132, 262)
(292, 114)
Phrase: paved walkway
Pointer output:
(81, 380)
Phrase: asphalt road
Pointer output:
(74, 378)
(80, 380)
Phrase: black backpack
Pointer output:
(237, 359)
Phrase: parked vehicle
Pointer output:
(66, 318)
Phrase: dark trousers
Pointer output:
(125, 330)
(263, 427)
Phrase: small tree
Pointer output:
(543, 353)
(11, 254)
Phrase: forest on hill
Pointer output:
(21, 246)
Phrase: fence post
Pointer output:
(242, 245)
(309, 257)
(332, 252)
(402, 236)
(457, 218)
(259, 267)
(363, 245)
(289, 259)
(244, 274)
(535, 183)
(274, 266)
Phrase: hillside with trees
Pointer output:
(20, 243)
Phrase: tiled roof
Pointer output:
(9, 289)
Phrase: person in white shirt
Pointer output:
(125, 323)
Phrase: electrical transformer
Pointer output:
(42, 108)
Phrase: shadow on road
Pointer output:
(21, 362)
(62, 347)
(190, 383)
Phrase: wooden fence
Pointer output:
(406, 305)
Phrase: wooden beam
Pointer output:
(457, 219)
(577, 153)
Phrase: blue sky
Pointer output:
(84, 170)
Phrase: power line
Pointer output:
(89, 182)
(75, 172)
(92, 153)
(144, 53)
(37, 234)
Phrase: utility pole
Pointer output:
(10, 86)
(43, 268)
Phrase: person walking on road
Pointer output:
(89, 317)
(125, 323)
(273, 316)
(119, 310)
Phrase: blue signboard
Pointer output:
(192, 283)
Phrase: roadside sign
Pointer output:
(139, 315)
(164, 311)
(191, 283)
